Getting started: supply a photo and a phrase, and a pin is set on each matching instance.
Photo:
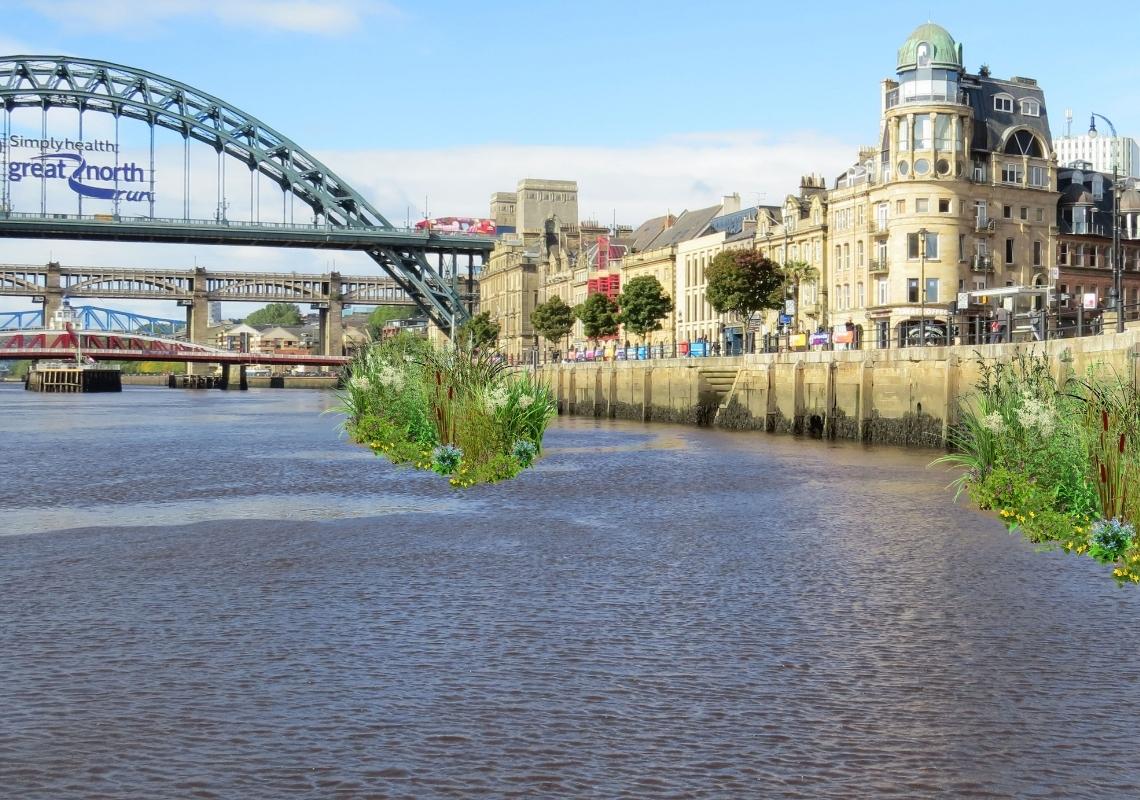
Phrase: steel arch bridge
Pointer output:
(95, 318)
(343, 218)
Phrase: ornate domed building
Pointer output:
(958, 196)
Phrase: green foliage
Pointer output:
(599, 316)
(275, 314)
(1059, 463)
(644, 305)
(553, 319)
(525, 452)
(743, 282)
(457, 412)
(1110, 539)
(382, 315)
(478, 332)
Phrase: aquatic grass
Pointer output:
(423, 405)
(1056, 459)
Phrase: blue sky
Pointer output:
(651, 106)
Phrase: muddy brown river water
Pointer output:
(211, 595)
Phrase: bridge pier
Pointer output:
(197, 317)
(233, 377)
(332, 319)
(53, 293)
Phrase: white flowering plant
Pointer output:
(1058, 458)
(457, 412)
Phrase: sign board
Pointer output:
(963, 300)
(785, 319)
(70, 162)
(1088, 300)
(789, 306)
(1054, 273)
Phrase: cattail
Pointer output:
(1120, 444)
(450, 392)
(1104, 419)
(1103, 474)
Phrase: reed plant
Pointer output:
(1057, 460)
(456, 411)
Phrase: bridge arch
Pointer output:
(52, 81)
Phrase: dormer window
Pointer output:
(1003, 102)
(1030, 107)
(923, 54)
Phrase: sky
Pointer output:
(428, 108)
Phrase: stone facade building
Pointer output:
(958, 196)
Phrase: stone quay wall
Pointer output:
(906, 397)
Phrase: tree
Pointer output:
(553, 319)
(796, 273)
(743, 282)
(643, 305)
(275, 314)
(381, 315)
(599, 315)
(479, 331)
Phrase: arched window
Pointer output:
(923, 54)
(1003, 102)
(1030, 107)
(1024, 143)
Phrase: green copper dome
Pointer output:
(933, 46)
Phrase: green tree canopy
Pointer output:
(599, 316)
(643, 305)
(479, 331)
(275, 314)
(743, 282)
(381, 315)
(553, 319)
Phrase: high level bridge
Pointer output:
(195, 288)
(118, 201)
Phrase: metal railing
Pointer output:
(978, 329)
(320, 225)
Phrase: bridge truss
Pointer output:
(94, 318)
(342, 217)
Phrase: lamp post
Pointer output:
(922, 286)
(1117, 271)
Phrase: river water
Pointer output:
(214, 595)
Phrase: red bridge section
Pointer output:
(101, 346)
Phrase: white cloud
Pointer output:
(14, 47)
(321, 17)
(636, 182)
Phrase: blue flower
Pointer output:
(1110, 538)
(445, 458)
(524, 451)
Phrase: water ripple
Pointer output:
(652, 612)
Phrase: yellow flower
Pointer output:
(1031, 514)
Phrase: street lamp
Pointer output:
(922, 286)
(1117, 266)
